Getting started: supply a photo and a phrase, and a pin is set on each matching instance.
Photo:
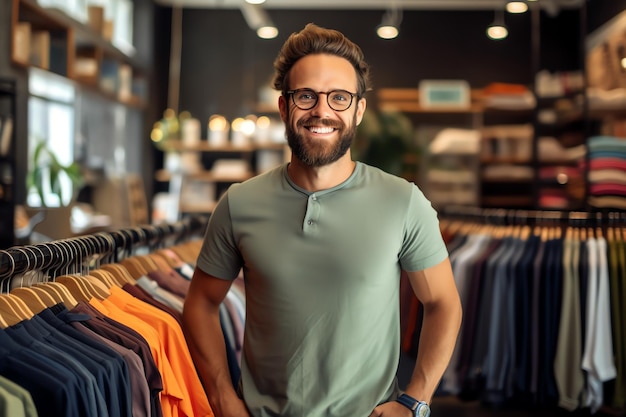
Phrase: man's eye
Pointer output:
(339, 97)
(306, 96)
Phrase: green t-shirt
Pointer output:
(322, 272)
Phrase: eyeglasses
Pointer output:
(306, 99)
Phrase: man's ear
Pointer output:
(360, 110)
(282, 108)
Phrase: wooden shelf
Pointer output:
(507, 201)
(205, 146)
(407, 100)
(163, 175)
(503, 161)
(76, 51)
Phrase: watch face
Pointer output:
(423, 410)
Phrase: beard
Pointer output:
(317, 153)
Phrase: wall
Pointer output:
(224, 63)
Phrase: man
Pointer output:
(322, 241)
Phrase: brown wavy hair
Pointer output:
(314, 39)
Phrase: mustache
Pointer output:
(317, 121)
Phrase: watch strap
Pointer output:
(408, 401)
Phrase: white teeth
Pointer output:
(316, 129)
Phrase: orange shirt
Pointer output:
(176, 349)
(172, 393)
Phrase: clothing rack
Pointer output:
(551, 284)
(106, 247)
(92, 325)
(522, 217)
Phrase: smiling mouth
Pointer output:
(320, 129)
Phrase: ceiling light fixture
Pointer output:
(258, 20)
(255, 1)
(497, 30)
(389, 27)
(516, 7)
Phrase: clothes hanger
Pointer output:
(65, 296)
(106, 278)
(170, 256)
(79, 289)
(50, 295)
(93, 284)
(120, 273)
(188, 251)
(9, 312)
(76, 286)
(147, 262)
(102, 247)
(161, 264)
(134, 267)
(12, 307)
(52, 291)
(3, 323)
(30, 297)
(49, 285)
(102, 289)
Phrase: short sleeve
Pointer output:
(423, 245)
(219, 255)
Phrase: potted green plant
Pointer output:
(385, 139)
(45, 176)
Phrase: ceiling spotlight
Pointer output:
(267, 32)
(255, 1)
(259, 21)
(516, 7)
(389, 27)
(497, 30)
(387, 31)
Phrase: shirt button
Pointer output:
(314, 197)
(310, 222)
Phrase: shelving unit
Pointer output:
(197, 191)
(560, 133)
(7, 162)
(49, 39)
(456, 177)
(506, 161)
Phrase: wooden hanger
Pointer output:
(105, 277)
(11, 312)
(53, 292)
(134, 267)
(188, 251)
(161, 263)
(101, 288)
(64, 293)
(148, 262)
(31, 298)
(120, 272)
(77, 287)
(170, 256)
(48, 297)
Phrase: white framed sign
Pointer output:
(444, 94)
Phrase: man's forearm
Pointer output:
(208, 350)
(437, 339)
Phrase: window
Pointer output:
(51, 119)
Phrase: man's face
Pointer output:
(321, 135)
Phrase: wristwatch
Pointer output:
(419, 408)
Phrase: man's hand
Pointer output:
(391, 409)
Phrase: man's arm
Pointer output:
(201, 324)
(436, 289)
